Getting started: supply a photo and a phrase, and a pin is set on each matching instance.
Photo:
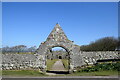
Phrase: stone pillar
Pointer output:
(71, 66)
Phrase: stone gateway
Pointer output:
(57, 38)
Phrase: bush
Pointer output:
(102, 67)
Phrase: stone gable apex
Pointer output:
(57, 34)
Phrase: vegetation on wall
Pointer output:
(113, 66)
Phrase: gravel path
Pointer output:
(58, 66)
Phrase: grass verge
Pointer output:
(22, 73)
(37, 73)
(97, 73)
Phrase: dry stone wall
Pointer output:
(92, 57)
(19, 61)
(31, 61)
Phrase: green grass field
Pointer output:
(22, 73)
(37, 73)
(65, 63)
(97, 73)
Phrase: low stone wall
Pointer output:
(92, 57)
(19, 61)
(33, 61)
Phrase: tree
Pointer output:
(6, 49)
(32, 49)
(19, 48)
(103, 44)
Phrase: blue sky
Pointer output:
(30, 23)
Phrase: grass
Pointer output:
(100, 69)
(0, 72)
(113, 66)
(25, 53)
(22, 73)
(21, 53)
(50, 63)
(37, 73)
(65, 63)
(97, 73)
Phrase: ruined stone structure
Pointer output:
(58, 55)
(57, 38)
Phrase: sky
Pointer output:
(30, 23)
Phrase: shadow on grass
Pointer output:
(58, 72)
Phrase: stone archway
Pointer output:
(57, 52)
(57, 38)
(61, 64)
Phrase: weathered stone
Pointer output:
(57, 38)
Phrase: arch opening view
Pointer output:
(57, 60)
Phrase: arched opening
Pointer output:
(58, 60)
(60, 57)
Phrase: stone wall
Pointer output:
(19, 61)
(33, 61)
(92, 57)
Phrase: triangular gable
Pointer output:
(57, 34)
